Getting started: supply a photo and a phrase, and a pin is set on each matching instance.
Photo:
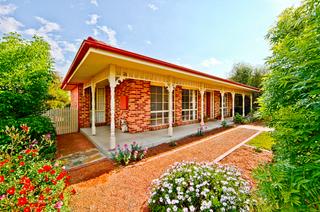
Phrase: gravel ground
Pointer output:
(127, 189)
(246, 159)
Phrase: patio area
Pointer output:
(146, 139)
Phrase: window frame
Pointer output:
(192, 111)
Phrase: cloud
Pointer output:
(7, 9)
(9, 24)
(93, 19)
(95, 32)
(148, 42)
(94, 2)
(68, 47)
(153, 7)
(130, 27)
(210, 62)
(111, 34)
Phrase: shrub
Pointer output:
(172, 143)
(125, 155)
(27, 183)
(238, 119)
(192, 186)
(224, 124)
(18, 137)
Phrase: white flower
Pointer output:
(192, 208)
(185, 210)
(175, 208)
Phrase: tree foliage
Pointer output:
(248, 74)
(25, 76)
(58, 98)
(291, 98)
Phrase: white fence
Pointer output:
(64, 119)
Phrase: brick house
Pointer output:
(109, 85)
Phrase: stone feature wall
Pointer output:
(137, 115)
(217, 110)
(83, 106)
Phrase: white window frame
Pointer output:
(192, 110)
(164, 119)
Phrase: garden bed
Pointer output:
(246, 159)
(106, 165)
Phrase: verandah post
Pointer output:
(222, 105)
(170, 88)
(233, 101)
(243, 105)
(93, 108)
(112, 83)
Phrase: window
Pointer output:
(225, 104)
(100, 98)
(160, 105)
(189, 105)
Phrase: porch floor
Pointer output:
(146, 139)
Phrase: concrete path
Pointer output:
(128, 188)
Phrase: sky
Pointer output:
(207, 35)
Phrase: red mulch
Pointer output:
(247, 159)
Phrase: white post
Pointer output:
(222, 104)
(170, 91)
(193, 105)
(233, 101)
(112, 82)
(251, 102)
(93, 108)
(202, 106)
(243, 105)
(213, 105)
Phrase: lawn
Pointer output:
(264, 141)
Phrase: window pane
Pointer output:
(153, 107)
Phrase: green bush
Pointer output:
(238, 119)
(291, 99)
(27, 181)
(38, 126)
(191, 186)
(224, 123)
(30, 184)
(125, 155)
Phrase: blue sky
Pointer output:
(207, 35)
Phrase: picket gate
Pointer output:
(65, 119)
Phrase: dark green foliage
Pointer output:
(39, 126)
(238, 119)
(248, 74)
(291, 100)
(25, 76)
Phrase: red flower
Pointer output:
(73, 192)
(61, 175)
(25, 180)
(25, 128)
(31, 188)
(22, 201)
(20, 156)
(34, 150)
(28, 151)
(52, 171)
(54, 182)
(61, 196)
(12, 170)
(40, 171)
(11, 191)
(21, 163)
(46, 178)
(26, 209)
(48, 190)
(46, 168)
(23, 191)
(1, 179)
(41, 197)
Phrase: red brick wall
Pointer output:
(138, 113)
(229, 104)
(83, 106)
(178, 105)
(217, 111)
(74, 98)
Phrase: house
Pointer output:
(112, 86)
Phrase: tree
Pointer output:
(25, 76)
(248, 74)
(58, 97)
(291, 98)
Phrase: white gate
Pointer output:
(64, 119)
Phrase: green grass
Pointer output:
(263, 140)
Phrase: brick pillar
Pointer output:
(178, 105)
(83, 107)
(217, 110)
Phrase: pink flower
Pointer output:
(125, 146)
(134, 143)
(58, 204)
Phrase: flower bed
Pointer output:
(126, 154)
(28, 182)
(192, 186)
